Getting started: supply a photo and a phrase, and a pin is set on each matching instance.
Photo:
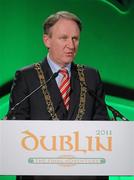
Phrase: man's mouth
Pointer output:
(70, 53)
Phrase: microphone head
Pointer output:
(56, 74)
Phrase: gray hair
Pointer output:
(52, 19)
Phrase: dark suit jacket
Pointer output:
(34, 107)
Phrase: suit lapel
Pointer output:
(54, 91)
(75, 93)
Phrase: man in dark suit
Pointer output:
(66, 96)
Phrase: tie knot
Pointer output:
(64, 72)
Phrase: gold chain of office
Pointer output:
(47, 97)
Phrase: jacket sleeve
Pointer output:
(19, 91)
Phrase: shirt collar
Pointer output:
(55, 67)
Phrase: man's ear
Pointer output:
(46, 40)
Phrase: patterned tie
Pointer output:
(65, 87)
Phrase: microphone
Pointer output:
(12, 111)
(113, 110)
(116, 113)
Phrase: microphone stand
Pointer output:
(12, 111)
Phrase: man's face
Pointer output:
(63, 41)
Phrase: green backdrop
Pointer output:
(107, 42)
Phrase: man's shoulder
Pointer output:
(87, 69)
(91, 74)
(26, 73)
(29, 69)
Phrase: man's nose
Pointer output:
(71, 43)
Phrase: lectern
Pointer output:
(66, 148)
